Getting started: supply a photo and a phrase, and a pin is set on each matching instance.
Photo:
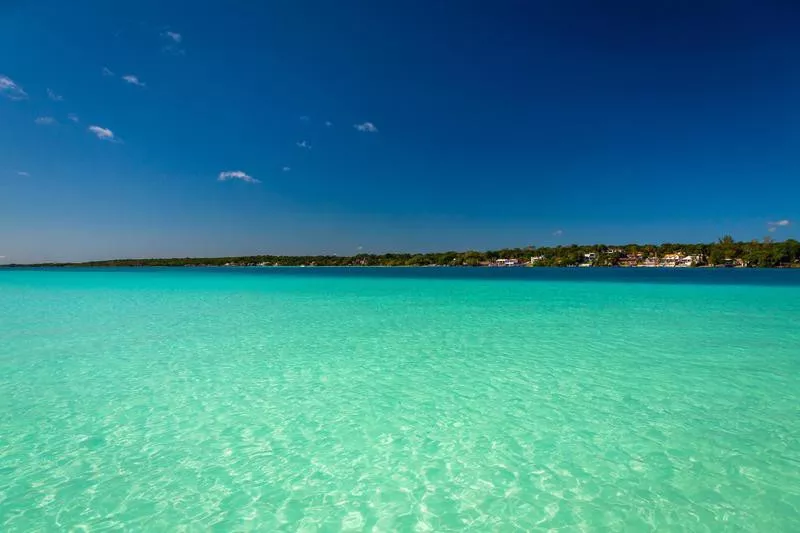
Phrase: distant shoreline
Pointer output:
(725, 253)
(610, 267)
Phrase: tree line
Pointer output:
(726, 251)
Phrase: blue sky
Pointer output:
(340, 127)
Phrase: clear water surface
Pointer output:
(399, 400)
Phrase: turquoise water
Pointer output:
(399, 400)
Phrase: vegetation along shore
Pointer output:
(724, 253)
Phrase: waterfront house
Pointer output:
(729, 262)
(670, 260)
(690, 260)
(630, 260)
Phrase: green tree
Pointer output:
(716, 257)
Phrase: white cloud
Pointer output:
(304, 144)
(107, 72)
(11, 90)
(558, 233)
(173, 36)
(133, 80)
(51, 94)
(236, 175)
(174, 40)
(772, 229)
(104, 134)
(305, 118)
(73, 117)
(45, 121)
(23, 173)
(286, 169)
(368, 127)
(328, 123)
(783, 222)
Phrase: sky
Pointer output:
(213, 128)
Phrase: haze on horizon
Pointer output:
(211, 128)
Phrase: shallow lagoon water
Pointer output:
(400, 399)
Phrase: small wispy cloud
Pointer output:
(304, 145)
(174, 36)
(236, 175)
(772, 229)
(779, 223)
(133, 80)
(368, 127)
(10, 89)
(328, 123)
(305, 118)
(51, 94)
(104, 134)
(23, 173)
(73, 117)
(286, 169)
(45, 121)
(173, 40)
(107, 72)
(558, 233)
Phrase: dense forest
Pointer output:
(724, 252)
